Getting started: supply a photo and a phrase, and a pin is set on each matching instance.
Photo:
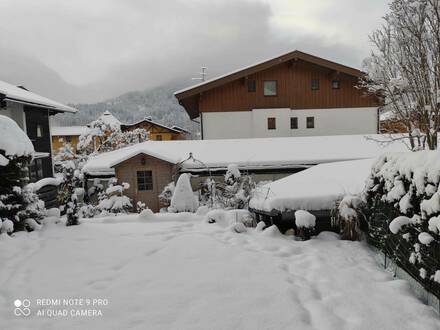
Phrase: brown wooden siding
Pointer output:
(294, 91)
(162, 175)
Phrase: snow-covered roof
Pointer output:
(16, 94)
(108, 118)
(14, 141)
(262, 153)
(150, 120)
(317, 188)
(68, 130)
(178, 128)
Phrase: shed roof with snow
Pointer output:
(248, 154)
(21, 95)
(315, 189)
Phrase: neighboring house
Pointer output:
(66, 134)
(149, 166)
(32, 113)
(296, 94)
(158, 131)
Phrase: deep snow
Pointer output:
(176, 271)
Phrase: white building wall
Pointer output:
(253, 124)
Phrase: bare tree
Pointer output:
(404, 68)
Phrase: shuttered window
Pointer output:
(271, 123)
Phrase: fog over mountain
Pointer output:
(158, 102)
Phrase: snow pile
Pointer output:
(317, 188)
(304, 219)
(13, 142)
(183, 199)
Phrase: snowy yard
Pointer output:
(179, 272)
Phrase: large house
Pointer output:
(296, 94)
(32, 113)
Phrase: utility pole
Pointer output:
(202, 74)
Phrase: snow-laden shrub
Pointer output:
(167, 194)
(305, 223)
(349, 216)
(234, 193)
(403, 210)
(183, 199)
(113, 199)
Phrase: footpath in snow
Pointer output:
(179, 272)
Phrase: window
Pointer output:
(68, 139)
(145, 180)
(271, 123)
(270, 88)
(293, 122)
(36, 170)
(310, 122)
(336, 84)
(251, 85)
(39, 131)
(158, 137)
(315, 84)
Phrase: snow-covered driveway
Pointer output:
(194, 275)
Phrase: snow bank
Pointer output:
(317, 188)
(13, 141)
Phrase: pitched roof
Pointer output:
(149, 120)
(185, 96)
(21, 95)
(249, 154)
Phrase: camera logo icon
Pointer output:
(22, 307)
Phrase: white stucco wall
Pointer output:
(253, 124)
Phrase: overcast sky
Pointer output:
(88, 50)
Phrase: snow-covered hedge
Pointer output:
(403, 202)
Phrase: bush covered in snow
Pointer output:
(403, 207)
(167, 194)
(234, 193)
(305, 223)
(183, 199)
(113, 199)
(349, 217)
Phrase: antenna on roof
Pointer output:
(202, 74)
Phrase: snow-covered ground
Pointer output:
(179, 272)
